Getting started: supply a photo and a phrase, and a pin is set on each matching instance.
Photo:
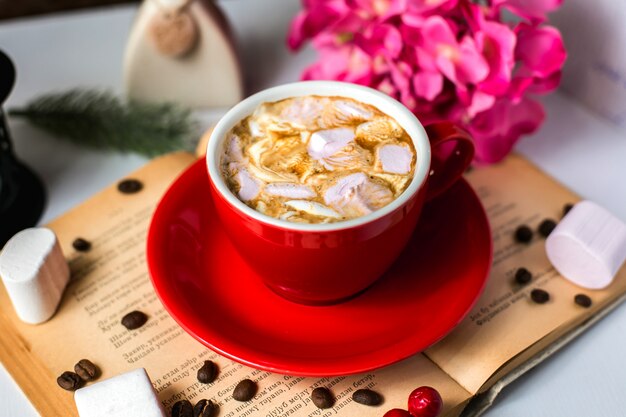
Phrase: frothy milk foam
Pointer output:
(314, 159)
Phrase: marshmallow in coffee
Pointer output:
(316, 159)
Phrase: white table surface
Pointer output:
(61, 51)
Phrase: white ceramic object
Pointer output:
(35, 273)
(127, 395)
(588, 246)
(208, 76)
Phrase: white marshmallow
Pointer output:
(394, 159)
(126, 395)
(35, 273)
(255, 129)
(325, 143)
(303, 111)
(234, 149)
(287, 215)
(249, 187)
(289, 190)
(313, 208)
(588, 246)
(357, 195)
(353, 110)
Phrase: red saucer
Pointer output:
(219, 300)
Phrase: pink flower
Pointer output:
(430, 6)
(541, 54)
(382, 40)
(438, 50)
(317, 16)
(379, 9)
(451, 60)
(495, 131)
(348, 63)
(540, 49)
(496, 42)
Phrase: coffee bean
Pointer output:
(205, 408)
(129, 186)
(322, 398)
(546, 227)
(86, 370)
(69, 381)
(207, 373)
(523, 234)
(567, 208)
(134, 320)
(182, 408)
(523, 276)
(539, 296)
(583, 300)
(245, 390)
(81, 244)
(367, 397)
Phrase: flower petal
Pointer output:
(382, 40)
(295, 35)
(540, 49)
(471, 66)
(427, 85)
(497, 43)
(496, 130)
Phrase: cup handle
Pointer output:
(452, 151)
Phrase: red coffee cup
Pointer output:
(328, 263)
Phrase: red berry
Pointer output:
(396, 412)
(425, 402)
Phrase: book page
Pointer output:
(506, 322)
(112, 279)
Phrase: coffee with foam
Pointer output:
(315, 159)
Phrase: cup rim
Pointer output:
(381, 101)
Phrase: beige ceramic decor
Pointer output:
(182, 51)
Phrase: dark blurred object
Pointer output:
(10, 8)
(22, 195)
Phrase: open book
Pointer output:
(504, 334)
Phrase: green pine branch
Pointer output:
(98, 119)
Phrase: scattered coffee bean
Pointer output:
(69, 381)
(539, 296)
(546, 227)
(367, 397)
(207, 373)
(322, 398)
(205, 408)
(182, 408)
(86, 370)
(523, 276)
(81, 244)
(567, 208)
(583, 300)
(245, 390)
(129, 186)
(134, 320)
(523, 234)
